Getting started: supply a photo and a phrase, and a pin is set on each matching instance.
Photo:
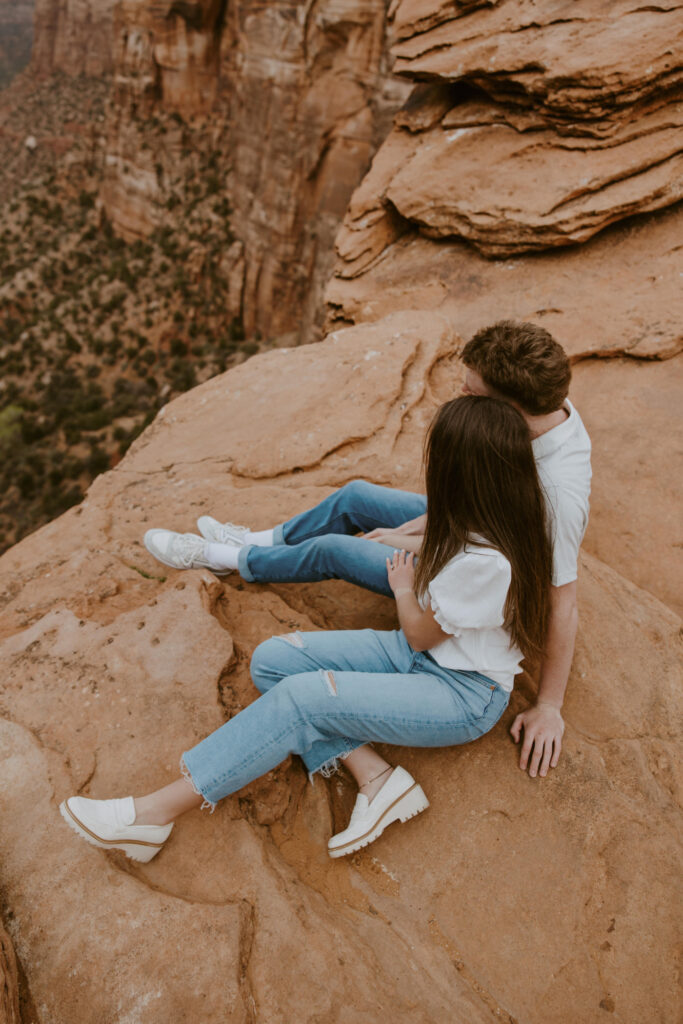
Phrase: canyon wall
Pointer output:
(530, 131)
(290, 101)
(73, 36)
(16, 35)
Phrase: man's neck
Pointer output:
(542, 424)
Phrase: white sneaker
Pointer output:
(221, 533)
(180, 550)
(399, 798)
(110, 824)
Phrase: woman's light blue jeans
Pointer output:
(319, 544)
(326, 693)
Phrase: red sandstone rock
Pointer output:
(509, 192)
(512, 899)
(112, 665)
(536, 129)
(577, 60)
(507, 184)
(618, 293)
(633, 408)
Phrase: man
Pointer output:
(517, 362)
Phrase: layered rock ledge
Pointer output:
(533, 129)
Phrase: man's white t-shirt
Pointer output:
(563, 461)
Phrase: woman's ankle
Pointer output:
(371, 788)
(146, 813)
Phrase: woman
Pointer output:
(475, 604)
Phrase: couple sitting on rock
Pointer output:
(498, 534)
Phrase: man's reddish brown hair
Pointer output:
(521, 362)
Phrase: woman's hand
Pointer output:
(401, 570)
(421, 629)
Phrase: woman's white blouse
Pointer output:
(468, 598)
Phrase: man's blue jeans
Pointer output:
(326, 693)
(319, 544)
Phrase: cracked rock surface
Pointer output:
(532, 127)
(113, 665)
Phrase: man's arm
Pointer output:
(542, 723)
(412, 527)
(400, 541)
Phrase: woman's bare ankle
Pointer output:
(147, 814)
(371, 788)
(166, 804)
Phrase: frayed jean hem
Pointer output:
(331, 766)
(185, 772)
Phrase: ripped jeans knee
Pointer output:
(295, 639)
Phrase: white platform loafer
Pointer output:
(399, 799)
(110, 825)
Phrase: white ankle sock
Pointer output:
(221, 556)
(261, 538)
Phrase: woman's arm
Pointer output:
(542, 722)
(421, 629)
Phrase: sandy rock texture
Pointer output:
(634, 409)
(619, 293)
(575, 60)
(294, 99)
(113, 665)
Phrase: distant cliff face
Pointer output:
(74, 36)
(529, 129)
(296, 97)
(16, 36)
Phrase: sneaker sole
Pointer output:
(182, 568)
(412, 802)
(136, 849)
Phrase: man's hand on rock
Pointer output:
(543, 728)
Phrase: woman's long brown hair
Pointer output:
(481, 478)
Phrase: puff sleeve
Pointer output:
(470, 591)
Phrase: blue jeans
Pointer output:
(319, 544)
(325, 694)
